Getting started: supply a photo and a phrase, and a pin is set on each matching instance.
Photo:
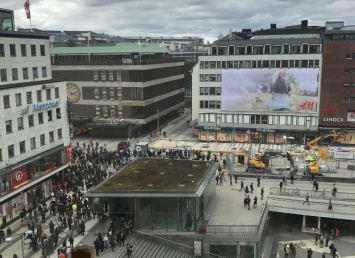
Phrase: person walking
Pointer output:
(258, 181)
(230, 179)
(235, 178)
(246, 190)
(71, 242)
(281, 184)
(262, 193)
(327, 239)
(241, 185)
(323, 255)
(309, 253)
(255, 202)
(316, 238)
(251, 188)
(330, 206)
(217, 179)
(337, 234)
(97, 247)
(307, 199)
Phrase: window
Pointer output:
(218, 91)
(218, 104)
(212, 90)
(267, 49)
(202, 65)
(42, 139)
(202, 77)
(258, 50)
(56, 92)
(212, 104)
(301, 120)
(22, 147)
(316, 63)
(314, 49)
(6, 99)
(96, 75)
(48, 94)
(29, 97)
(51, 136)
(18, 99)
(12, 50)
(266, 63)
(39, 95)
(23, 50)
(25, 73)
(43, 50)
(30, 121)
(40, 118)
(33, 143)
(58, 113)
(44, 72)
(295, 49)
(2, 50)
(276, 120)
(282, 120)
(35, 72)
(305, 49)
(10, 151)
(0, 154)
(294, 120)
(3, 75)
(213, 65)
(284, 63)
(14, 74)
(286, 49)
(276, 49)
(60, 135)
(270, 120)
(20, 123)
(8, 124)
(246, 119)
(33, 50)
(264, 119)
(49, 114)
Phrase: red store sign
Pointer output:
(19, 176)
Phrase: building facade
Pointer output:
(259, 87)
(337, 108)
(34, 130)
(121, 90)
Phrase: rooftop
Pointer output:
(147, 175)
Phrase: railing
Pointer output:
(295, 192)
(232, 229)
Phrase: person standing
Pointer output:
(307, 199)
(217, 179)
(97, 247)
(337, 234)
(281, 184)
(71, 242)
(255, 202)
(235, 178)
(327, 241)
(330, 206)
(241, 185)
(309, 253)
(323, 255)
(316, 238)
(262, 193)
(230, 179)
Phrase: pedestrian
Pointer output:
(236, 178)
(258, 181)
(255, 202)
(248, 202)
(280, 184)
(71, 242)
(129, 249)
(230, 179)
(262, 193)
(323, 255)
(241, 185)
(62, 255)
(309, 253)
(314, 185)
(284, 181)
(251, 188)
(337, 234)
(292, 178)
(224, 163)
(321, 241)
(217, 179)
(246, 190)
(97, 247)
(327, 239)
(307, 199)
(221, 178)
(330, 206)
(316, 238)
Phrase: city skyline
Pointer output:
(205, 19)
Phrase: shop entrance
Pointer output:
(258, 137)
(241, 160)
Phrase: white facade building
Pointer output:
(34, 131)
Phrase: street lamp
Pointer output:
(158, 125)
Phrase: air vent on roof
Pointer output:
(273, 26)
(304, 24)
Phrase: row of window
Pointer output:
(32, 141)
(257, 119)
(31, 122)
(211, 104)
(210, 90)
(348, 99)
(25, 73)
(29, 98)
(266, 49)
(108, 75)
(13, 50)
(259, 64)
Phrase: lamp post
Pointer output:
(158, 125)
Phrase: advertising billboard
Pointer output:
(19, 176)
(270, 90)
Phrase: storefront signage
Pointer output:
(351, 116)
(344, 155)
(48, 86)
(69, 154)
(271, 138)
(19, 176)
(241, 137)
(265, 130)
(279, 138)
(333, 119)
(24, 110)
(45, 106)
(224, 137)
(329, 111)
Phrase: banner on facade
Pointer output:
(224, 137)
(241, 137)
(271, 138)
(343, 155)
(19, 176)
(279, 138)
(69, 154)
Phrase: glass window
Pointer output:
(212, 118)
(297, 63)
(43, 50)
(49, 115)
(3, 75)
(240, 119)
(235, 119)
(48, 94)
(282, 120)
(42, 139)
(246, 119)
(202, 77)
(229, 118)
(229, 64)
(30, 121)
(276, 49)
(29, 97)
(284, 63)
(213, 65)
(311, 63)
(58, 114)
(212, 90)
(241, 64)
(218, 91)
(304, 63)
(33, 50)
(219, 77)
(2, 50)
(202, 65)
(295, 49)
(236, 64)
(18, 99)
(60, 135)
(25, 73)
(212, 104)
(289, 120)
(286, 49)
(207, 77)
(8, 125)
(39, 95)
(14, 74)
(218, 104)
(270, 120)
(35, 72)
(292, 63)
(219, 65)
(51, 136)
(207, 65)
(22, 147)
(301, 120)
(266, 63)
(202, 91)
(267, 49)
(23, 50)
(33, 143)
(56, 92)
(313, 121)
(276, 120)
(44, 72)
(294, 120)
(10, 151)
(40, 118)
(305, 49)
(316, 63)
(6, 99)
(247, 64)
(213, 77)
(12, 50)
(264, 119)
(20, 123)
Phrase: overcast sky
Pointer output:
(201, 18)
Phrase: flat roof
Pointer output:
(150, 177)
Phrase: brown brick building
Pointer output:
(337, 105)
(123, 89)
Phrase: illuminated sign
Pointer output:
(333, 119)
(40, 107)
(329, 111)
(351, 116)
(270, 90)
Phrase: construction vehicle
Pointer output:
(294, 168)
(313, 166)
(338, 138)
(260, 163)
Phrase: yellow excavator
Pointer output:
(313, 166)
(259, 164)
(339, 138)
